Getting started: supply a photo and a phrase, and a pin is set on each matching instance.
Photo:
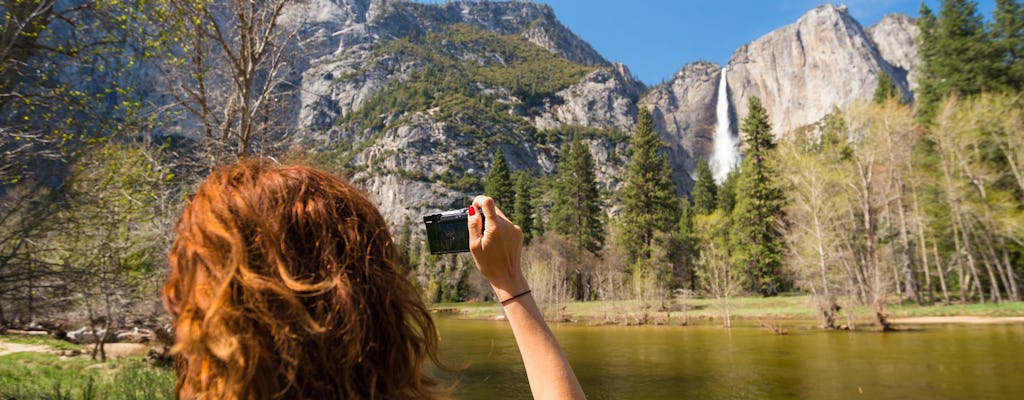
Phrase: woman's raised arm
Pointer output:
(497, 252)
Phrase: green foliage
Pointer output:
(499, 185)
(649, 201)
(576, 212)
(468, 94)
(563, 133)
(704, 189)
(688, 251)
(523, 214)
(66, 81)
(727, 192)
(1008, 39)
(959, 56)
(757, 216)
(886, 89)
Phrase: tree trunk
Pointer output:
(941, 273)
(1014, 290)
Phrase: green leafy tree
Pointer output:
(499, 184)
(523, 213)
(704, 189)
(649, 201)
(718, 277)
(757, 241)
(576, 212)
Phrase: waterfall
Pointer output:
(726, 152)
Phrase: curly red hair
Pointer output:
(284, 284)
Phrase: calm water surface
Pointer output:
(709, 362)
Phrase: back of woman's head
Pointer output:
(283, 284)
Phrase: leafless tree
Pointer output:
(233, 71)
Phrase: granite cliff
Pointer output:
(803, 70)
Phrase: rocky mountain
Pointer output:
(415, 97)
(896, 38)
(411, 98)
(803, 70)
(684, 113)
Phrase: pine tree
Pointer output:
(649, 201)
(1008, 38)
(886, 89)
(727, 192)
(499, 185)
(705, 191)
(756, 240)
(524, 206)
(576, 212)
(689, 252)
(957, 55)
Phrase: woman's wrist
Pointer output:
(512, 288)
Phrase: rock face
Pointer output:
(340, 82)
(604, 99)
(421, 162)
(684, 114)
(803, 70)
(896, 38)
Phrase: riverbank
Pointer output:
(742, 310)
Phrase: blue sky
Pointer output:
(655, 38)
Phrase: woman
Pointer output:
(283, 284)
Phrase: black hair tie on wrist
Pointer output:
(508, 300)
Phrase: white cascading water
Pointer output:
(726, 153)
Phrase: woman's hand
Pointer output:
(497, 249)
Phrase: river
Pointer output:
(746, 362)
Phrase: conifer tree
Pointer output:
(886, 89)
(499, 185)
(957, 56)
(756, 240)
(524, 206)
(649, 201)
(576, 212)
(689, 251)
(704, 189)
(727, 192)
(1008, 38)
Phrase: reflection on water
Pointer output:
(709, 362)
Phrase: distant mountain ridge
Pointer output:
(427, 150)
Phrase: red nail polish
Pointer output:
(472, 211)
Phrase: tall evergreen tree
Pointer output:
(524, 206)
(757, 242)
(727, 192)
(886, 89)
(705, 191)
(957, 56)
(499, 184)
(649, 201)
(689, 252)
(576, 212)
(1008, 38)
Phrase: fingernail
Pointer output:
(472, 211)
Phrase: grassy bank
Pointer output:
(709, 310)
(47, 375)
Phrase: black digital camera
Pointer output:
(448, 231)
